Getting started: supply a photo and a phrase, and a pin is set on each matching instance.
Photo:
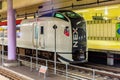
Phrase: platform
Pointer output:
(33, 75)
(103, 45)
(3, 78)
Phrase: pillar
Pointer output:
(11, 31)
(110, 59)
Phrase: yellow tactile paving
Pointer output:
(104, 45)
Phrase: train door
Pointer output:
(38, 36)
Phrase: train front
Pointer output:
(79, 37)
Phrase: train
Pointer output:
(63, 32)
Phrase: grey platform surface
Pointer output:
(35, 74)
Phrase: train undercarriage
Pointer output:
(60, 57)
(31, 52)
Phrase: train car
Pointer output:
(64, 32)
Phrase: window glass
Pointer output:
(36, 32)
(72, 15)
(42, 30)
(61, 16)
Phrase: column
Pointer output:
(110, 59)
(11, 31)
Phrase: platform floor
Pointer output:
(3, 78)
(104, 45)
(34, 75)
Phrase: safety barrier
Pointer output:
(67, 70)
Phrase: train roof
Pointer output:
(51, 14)
(41, 19)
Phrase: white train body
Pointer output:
(68, 39)
(46, 40)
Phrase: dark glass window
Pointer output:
(42, 30)
(61, 16)
(70, 14)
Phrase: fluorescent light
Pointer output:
(110, 7)
(106, 11)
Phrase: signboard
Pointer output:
(118, 30)
(43, 69)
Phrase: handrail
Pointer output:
(68, 73)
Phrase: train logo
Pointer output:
(75, 37)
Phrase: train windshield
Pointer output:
(58, 15)
(70, 14)
(61, 16)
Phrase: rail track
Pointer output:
(76, 72)
(11, 75)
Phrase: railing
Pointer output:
(67, 70)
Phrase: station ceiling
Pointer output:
(21, 3)
(21, 6)
(31, 6)
(107, 12)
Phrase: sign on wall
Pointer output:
(118, 30)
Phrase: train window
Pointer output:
(42, 30)
(61, 16)
(36, 32)
(70, 14)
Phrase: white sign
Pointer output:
(43, 69)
